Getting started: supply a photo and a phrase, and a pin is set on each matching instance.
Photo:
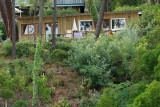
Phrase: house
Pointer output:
(62, 4)
(112, 21)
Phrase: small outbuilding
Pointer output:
(112, 21)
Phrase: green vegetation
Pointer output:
(118, 70)
(60, 12)
(3, 31)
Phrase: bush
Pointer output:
(20, 103)
(7, 48)
(22, 48)
(148, 98)
(1, 35)
(48, 12)
(44, 92)
(126, 8)
(67, 11)
(148, 51)
(59, 55)
(2, 28)
(107, 58)
(63, 45)
(107, 99)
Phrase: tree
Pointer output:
(13, 31)
(6, 12)
(93, 12)
(40, 18)
(8, 15)
(158, 1)
(151, 2)
(33, 6)
(54, 26)
(100, 19)
(36, 68)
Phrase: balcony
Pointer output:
(61, 3)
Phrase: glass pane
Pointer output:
(31, 29)
(48, 31)
(118, 23)
(85, 25)
(25, 29)
(56, 28)
(106, 24)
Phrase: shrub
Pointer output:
(64, 11)
(59, 55)
(47, 46)
(20, 103)
(67, 11)
(148, 51)
(107, 58)
(7, 48)
(1, 35)
(126, 8)
(148, 98)
(63, 45)
(48, 12)
(46, 56)
(22, 48)
(107, 99)
(2, 27)
(44, 92)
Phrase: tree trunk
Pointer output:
(100, 19)
(54, 27)
(151, 2)
(5, 15)
(40, 18)
(34, 27)
(13, 31)
(5, 103)
(9, 14)
(158, 1)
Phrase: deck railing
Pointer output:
(59, 2)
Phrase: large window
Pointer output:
(118, 23)
(85, 25)
(29, 29)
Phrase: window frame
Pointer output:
(28, 29)
(86, 30)
(51, 27)
(118, 28)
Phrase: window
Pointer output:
(48, 30)
(85, 25)
(29, 29)
(118, 23)
(106, 25)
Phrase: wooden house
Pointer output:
(112, 21)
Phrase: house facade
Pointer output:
(112, 21)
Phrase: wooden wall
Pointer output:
(65, 22)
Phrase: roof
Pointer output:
(83, 14)
(61, 3)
